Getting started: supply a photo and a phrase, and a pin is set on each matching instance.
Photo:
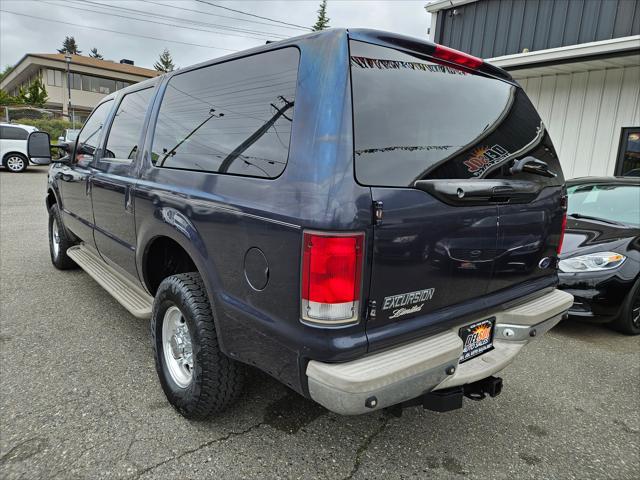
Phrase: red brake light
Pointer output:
(456, 56)
(563, 203)
(331, 277)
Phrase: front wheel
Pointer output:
(198, 379)
(59, 241)
(629, 320)
(16, 163)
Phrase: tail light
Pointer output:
(456, 56)
(331, 278)
(563, 204)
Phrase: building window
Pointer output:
(54, 78)
(628, 163)
(76, 81)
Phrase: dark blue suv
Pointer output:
(372, 219)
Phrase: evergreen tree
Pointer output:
(323, 21)
(94, 54)
(165, 62)
(69, 46)
(35, 94)
(7, 70)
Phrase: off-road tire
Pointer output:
(60, 259)
(624, 323)
(217, 380)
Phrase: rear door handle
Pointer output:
(480, 192)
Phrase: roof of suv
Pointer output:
(18, 125)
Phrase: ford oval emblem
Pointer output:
(545, 263)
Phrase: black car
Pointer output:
(369, 218)
(600, 259)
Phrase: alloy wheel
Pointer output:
(15, 163)
(177, 347)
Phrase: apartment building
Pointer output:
(90, 80)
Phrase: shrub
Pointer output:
(54, 127)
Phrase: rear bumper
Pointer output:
(393, 376)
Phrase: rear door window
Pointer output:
(417, 119)
(124, 135)
(234, 117)
(13, 133)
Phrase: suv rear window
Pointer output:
(412, 115)
(233, 117)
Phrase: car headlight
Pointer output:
(592, 262)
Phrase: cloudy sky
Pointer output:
(192, 30)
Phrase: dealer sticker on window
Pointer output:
(477, 339)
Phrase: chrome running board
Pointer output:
(127, 293)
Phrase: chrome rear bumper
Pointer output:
(387, 378)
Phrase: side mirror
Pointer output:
(60, 139)
(38, 148)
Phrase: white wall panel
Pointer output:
(585, 112)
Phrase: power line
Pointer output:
(218, 15)
(157, 23)
(117, 31)
(252, 15)
(190, 21)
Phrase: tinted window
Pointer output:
(89, 136)
(124, 135)
(413, 117)
(13, 133)
(234, 117)
(618, 203)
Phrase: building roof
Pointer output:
(437, 5)
(616, 52)
(97, 63)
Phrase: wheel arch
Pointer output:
(14, 152)
(51, 198)
(162, 257)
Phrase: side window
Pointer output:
(124, 135)
(89, 137)
(13, 133)
(234, 117)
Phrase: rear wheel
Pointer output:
(16, 163)
(59, 241)
(629, 320)
(197, 378)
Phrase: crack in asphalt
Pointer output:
(142, 472)
(384, 421)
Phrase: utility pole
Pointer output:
(240, 149)
(67, 58)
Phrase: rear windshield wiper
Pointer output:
(598, 219)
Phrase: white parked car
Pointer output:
(13, 147)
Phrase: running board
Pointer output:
(126, 292)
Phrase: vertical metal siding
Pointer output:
(585, 113)
(491, 28)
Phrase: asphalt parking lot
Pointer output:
(79, 397)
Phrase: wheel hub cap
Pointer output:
(15, 163)
(177, 347)
(55, 237)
